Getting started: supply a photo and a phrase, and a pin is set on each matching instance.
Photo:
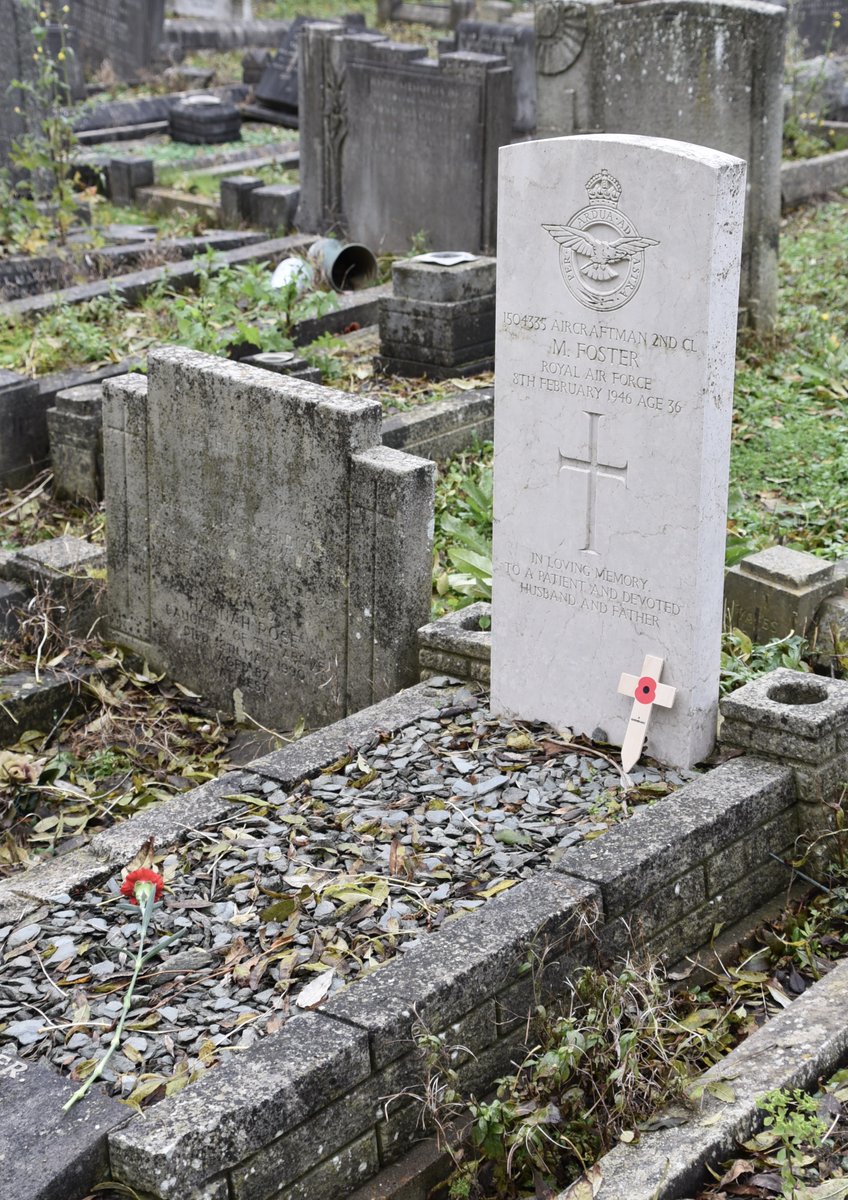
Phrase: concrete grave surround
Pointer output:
(703, 72)
(264, 548)
(612, 430)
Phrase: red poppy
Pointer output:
(142, 875)
(646, 690)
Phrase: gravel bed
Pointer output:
(307, 889)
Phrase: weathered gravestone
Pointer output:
(709, 73)
(516, 42)
(385, 131)
(278, 86)
(264, 548)
(124, 33)
(19, 110)
(618, 264)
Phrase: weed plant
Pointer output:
(620, 1047)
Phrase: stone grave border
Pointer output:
(798, 1046)
(252, 1128)
(133, 286)
(811, 177)
(190, 34)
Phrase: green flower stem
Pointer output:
(148, 893)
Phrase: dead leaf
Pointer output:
(586, 1187)
(316, 991)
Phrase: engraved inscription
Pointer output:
(593, 469)
(590, 587)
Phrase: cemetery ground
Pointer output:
(143, 739)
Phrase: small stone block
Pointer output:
(75, 427)
(274, 207)
(780, 564)
(85, 400)
(235, 203)
(778, 591)
(126, 174)
(460, 632)
(416, 280)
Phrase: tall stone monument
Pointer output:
(264, 548)
(618, 269)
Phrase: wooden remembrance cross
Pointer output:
(646, 691)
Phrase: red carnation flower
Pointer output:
(142, 875)
(646, 690)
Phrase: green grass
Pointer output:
(199, 184)
(789, 461)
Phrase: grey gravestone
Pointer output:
(517, 44)
(264, 548)
(708, 73)
(278, 87)
(23, 429)
(124, 33)
(45, 1153)
(816, 26)
(368, 106)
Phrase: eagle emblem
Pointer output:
(595, 238)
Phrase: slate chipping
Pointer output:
(363, 860)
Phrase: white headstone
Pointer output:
(618, 270)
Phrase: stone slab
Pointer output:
(417, 280)
(46, 1154)
(810, 177)
(612, 431)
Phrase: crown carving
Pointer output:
(604, 186)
